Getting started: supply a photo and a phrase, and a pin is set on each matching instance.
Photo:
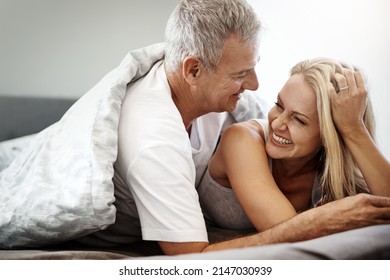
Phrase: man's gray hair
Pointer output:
(200, 27)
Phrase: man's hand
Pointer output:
(349, 213)
(355, 212)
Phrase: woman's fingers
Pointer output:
(348, 100)
(341, 82)
(350, 81)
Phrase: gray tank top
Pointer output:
(220, 205)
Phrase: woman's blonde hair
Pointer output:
(340, 175)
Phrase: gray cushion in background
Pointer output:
(20, 116)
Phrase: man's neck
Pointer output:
(182, 98)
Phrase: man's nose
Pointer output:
(251, 82)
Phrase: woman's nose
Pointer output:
(279, 123)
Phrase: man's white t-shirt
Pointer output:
(158, 168)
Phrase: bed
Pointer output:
(21, 117)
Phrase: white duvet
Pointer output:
(60, 187)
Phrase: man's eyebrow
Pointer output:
(244, 71)
(247, 70)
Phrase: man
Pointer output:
(169, 127)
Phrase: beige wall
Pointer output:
(63, 47)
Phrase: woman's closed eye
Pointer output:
(299, 120)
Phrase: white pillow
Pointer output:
(59, 187)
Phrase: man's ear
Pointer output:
(191, 69)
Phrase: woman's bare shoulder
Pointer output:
(251, 129)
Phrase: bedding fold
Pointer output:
(60, 187)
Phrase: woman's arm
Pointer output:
(242, 163)
(348, 107)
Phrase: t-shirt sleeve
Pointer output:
(162, 183)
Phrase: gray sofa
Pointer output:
(20, 116)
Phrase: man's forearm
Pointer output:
(345, 214)
(301, 227)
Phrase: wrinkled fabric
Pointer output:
(60, 187)
(11, 148)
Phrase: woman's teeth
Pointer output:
(280, 140)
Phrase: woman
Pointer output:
(317, 146)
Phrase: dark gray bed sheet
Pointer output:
(370, 243)
(74, 251)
